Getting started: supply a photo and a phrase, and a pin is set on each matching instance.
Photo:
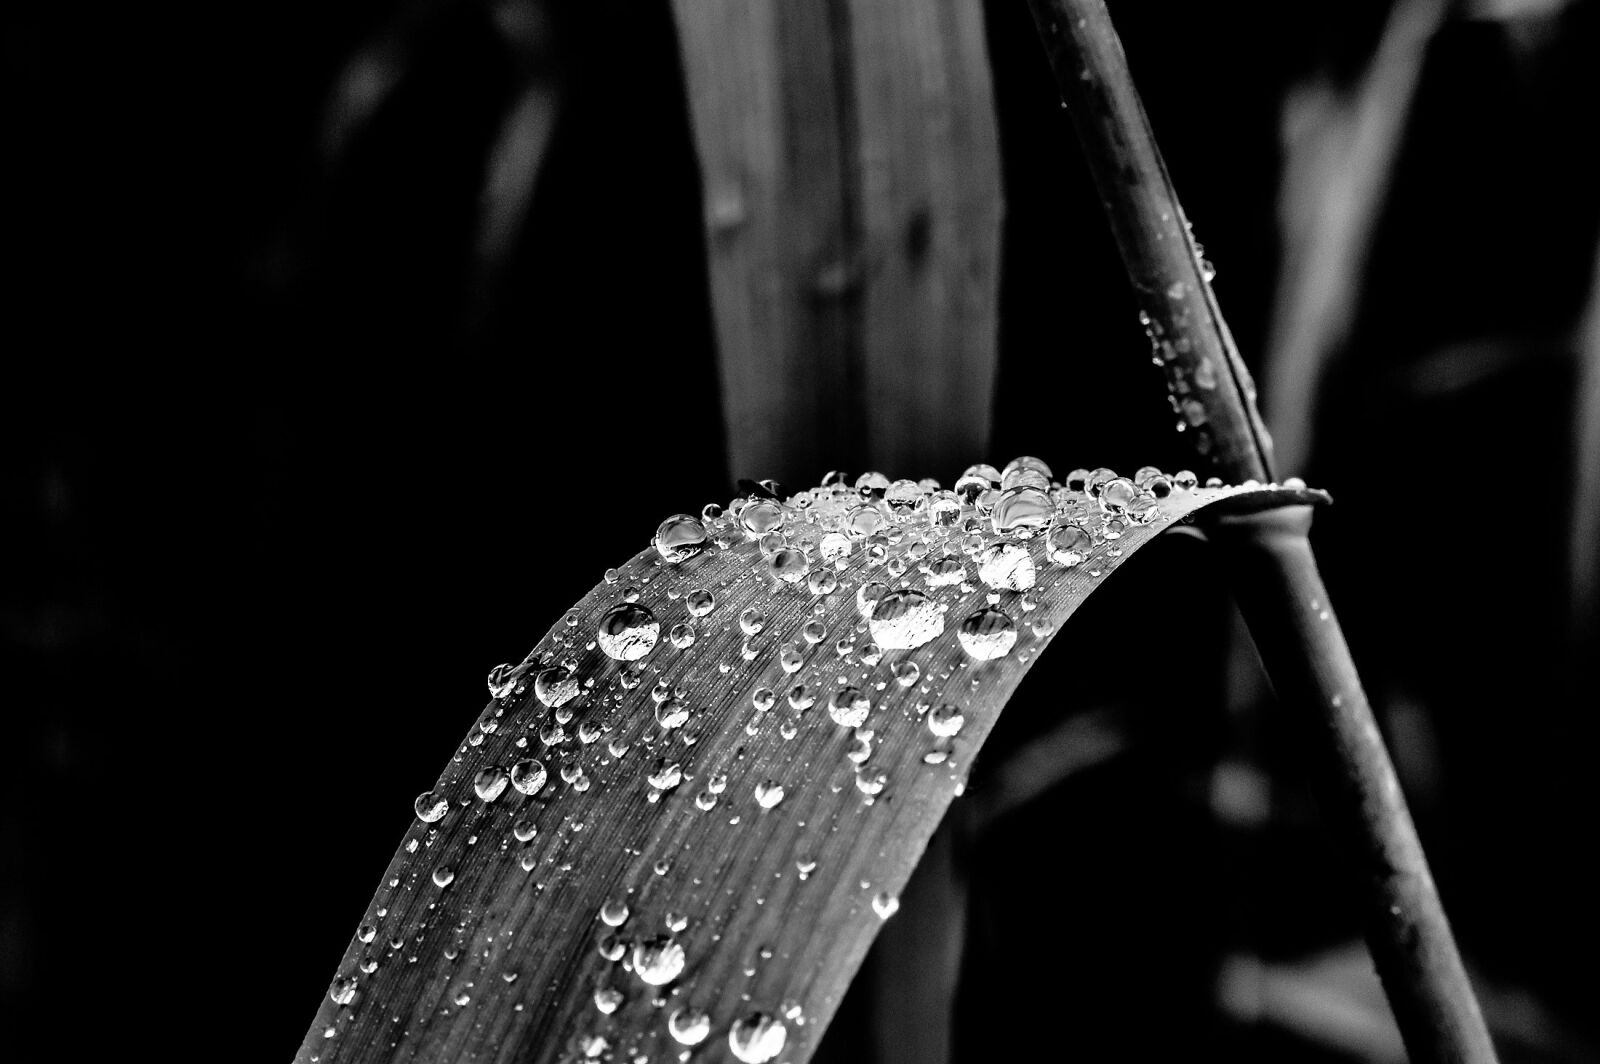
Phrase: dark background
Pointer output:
(286, 471)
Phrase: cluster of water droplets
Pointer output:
(920, 568)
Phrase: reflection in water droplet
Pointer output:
(628, 632)
(757, 1038)
(987, 634)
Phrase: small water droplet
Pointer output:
(768, 793)
(1007, 567)
(430, 806)
(885, 904)
(849, 707)
(946, 720)
(689, 1026)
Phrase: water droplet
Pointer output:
(757, 1038)
(700, 602)
(814, 632)
(667, 775)
(606, 999)
(821, 582)
(867, 596)
(612, 948)
(946, 720)
(801, 697)
(885, 904)
(763, 698)
(904, 619)
(835, 547)
(944, 508)
(682, 636)
(658, 960)
(443, 876)
(905, 500)
(944, 571)
(987, 634)
(503, 679)
(430, 806)
(628, 632)
(524, 829)
(1006, 567)
(849, 707)
(871, 781)
(490, 783)
(528, 776)
(788, 565)
(1068, 545)
(768, 793)
(907, 673)
(870, 654)
(1022, 513)
(760, 516)
(689, 1026)
(1026, 462)
(863, 520)
(555, 685)
(1116, 494)
(343, 990)
(366, 933)
(871, 485)
(751, 621)
(680, 538)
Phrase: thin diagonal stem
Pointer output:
(1271, 566)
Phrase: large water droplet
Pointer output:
(905, 499)
(757, 1038)
(628, 632)
(680, 538)
(760, 516)
(987, 634)
(788, 565)
(905, 619)
(1022, 513)
(503, 679)
(667, 775)
(658, 960)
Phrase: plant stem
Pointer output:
(1274, 577)
(1274, 573)
(1210, 387)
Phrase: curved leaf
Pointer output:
(760, 848)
